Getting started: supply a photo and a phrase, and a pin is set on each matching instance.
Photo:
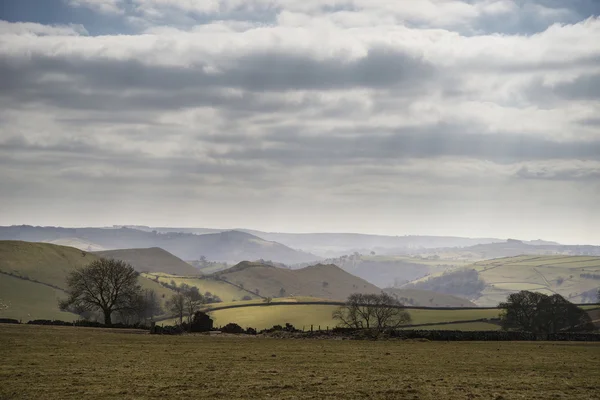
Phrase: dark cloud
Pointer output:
(177, 87)
(418, 142)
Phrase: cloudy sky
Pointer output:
(453, 117)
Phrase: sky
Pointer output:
(476, 118)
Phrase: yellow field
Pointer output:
(262, 317)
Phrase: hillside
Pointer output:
(427, 298)
(323, 281)
(569, 276)
(224, 290)
(229, 246)
(153, 259)
(33, 277)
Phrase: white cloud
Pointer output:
(103, 6)
(30, 28)
(374, 105)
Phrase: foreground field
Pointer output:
(74, 363)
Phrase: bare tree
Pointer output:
(192, 302)
(104, 285)
(371, 311)
(176, 305)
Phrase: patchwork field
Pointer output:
(55, 363)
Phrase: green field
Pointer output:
(25, 300)
(226, 291)
(262, 317)
(54, 363)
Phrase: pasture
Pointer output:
(74, 363)
(299, 315)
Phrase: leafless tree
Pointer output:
(104, 285)
(192, 302)
(371, 311)
(176, 305)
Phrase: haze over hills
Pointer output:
(230, 246)
(336, 244)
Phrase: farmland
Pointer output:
(302, 315)
(54, 363)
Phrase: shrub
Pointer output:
(232, 328)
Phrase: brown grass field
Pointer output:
(85, 363)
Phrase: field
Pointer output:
(55, 363)
(226, 291)
(261, 317)
(21, 299)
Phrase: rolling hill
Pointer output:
(153, 259)
(33, 277)
(427, 298)
(322, 281)
(569, 276)
(228, 246)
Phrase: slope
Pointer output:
(35, 268)
(427, 298)
(152, 259)
(26, 300)
(569, 276)
(323, 281)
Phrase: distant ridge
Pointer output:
(228, 246)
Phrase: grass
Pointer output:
(25, 300)
(262, 317)
(224, 290)
(55, 363)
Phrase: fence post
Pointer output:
(311, 328)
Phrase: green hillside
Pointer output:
(225, 291)
(33, 274)
(26, 300)
(152, 259)
(42, 262)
